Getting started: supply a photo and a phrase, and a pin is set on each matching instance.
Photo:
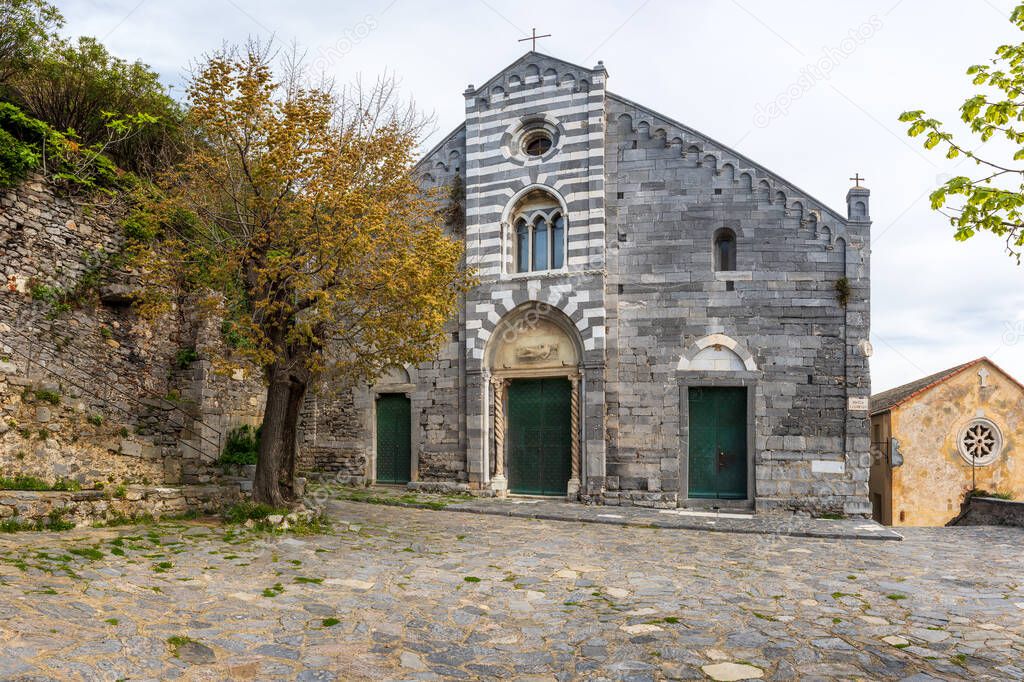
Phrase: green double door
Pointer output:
(394, 438)
(718, 443)
(539, 436)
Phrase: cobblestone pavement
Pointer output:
(395, 593)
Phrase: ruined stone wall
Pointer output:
(87, 507)
(93, 392)
(989, 511)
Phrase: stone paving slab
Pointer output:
(408, 594)
(725, 522)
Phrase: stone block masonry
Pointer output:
(90, 391)
(990, 511)
(640, 298)
(88, 507)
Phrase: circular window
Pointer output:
(980, 442)
(537, 143)
(535, 138)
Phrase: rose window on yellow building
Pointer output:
(980, 442)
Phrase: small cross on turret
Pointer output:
(857, 200)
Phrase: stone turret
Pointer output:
(858, 204)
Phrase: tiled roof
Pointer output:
(886, 400)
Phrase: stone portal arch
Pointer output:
(534, 338)
(534, 344)
(717, 353)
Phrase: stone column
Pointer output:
(574, 409)
(498, 482)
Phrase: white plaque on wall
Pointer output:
(859, 404)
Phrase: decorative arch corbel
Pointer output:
(717, 352)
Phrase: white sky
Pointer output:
(710, 64)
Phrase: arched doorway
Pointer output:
(716, 410)
(393, 455)
(534, 363)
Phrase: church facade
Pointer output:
(658, 320)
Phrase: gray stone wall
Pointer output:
(669, 190)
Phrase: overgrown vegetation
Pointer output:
(258, 513)
(843, 291)
(33, 483)
(185, 357)
(242, 446)
(74, 110)
(47, 396)
(244, 511)
(997, 494)
(28, 144)
(285, 208)
(54, 521)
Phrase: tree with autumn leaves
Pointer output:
(295, 215)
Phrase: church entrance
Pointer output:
(394, 438)
(718, 443)
(539, 438)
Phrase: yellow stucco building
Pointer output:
(936, 438)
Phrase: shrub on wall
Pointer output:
(27, 144)
(242, 446)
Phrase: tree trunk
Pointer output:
(266, 488)
(289, 439)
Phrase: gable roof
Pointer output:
(533, 55)
(886, 400)
(836, 215)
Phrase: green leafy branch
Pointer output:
(994, 201)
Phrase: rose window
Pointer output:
(980, 442)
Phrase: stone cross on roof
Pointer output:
(534, 38)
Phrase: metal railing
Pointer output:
(113, 390)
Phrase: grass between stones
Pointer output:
(90, 553)
(37, 484)
(273, 590)
(178, 641)
(436, 502)
(54, 521)
(259, 514)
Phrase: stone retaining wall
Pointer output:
(89, 390)
(86, 507)
(990, 511)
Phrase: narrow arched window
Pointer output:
(725, 250)
(557, 242)
(541, 244)
(539, 234)
(522, 246)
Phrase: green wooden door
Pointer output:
(539, 436)
(718, 443)
(394, 438)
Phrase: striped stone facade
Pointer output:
(638, 296)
